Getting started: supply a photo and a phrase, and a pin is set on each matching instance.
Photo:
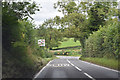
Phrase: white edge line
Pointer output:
(100, 66)
(42, 69)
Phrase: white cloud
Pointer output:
(46, 12)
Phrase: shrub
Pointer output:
(104, 43)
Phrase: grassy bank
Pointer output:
(110, 63)
(14, 65)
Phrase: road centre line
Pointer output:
(89, 76)
(70, 63)
(80, 70)
(74, 65)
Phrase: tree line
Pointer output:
(94, 24)
(20, 49)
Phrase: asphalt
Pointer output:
(67, 68)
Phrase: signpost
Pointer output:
(41, 42)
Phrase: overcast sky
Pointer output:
(46, 12)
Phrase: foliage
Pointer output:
(76, 22)
(12, 12)
(20, 48)
(51, 35)
(19, 36)
(104, 42)
(82, 18)
(20, 10)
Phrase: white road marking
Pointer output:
(42, 70)
(70, 62)
(67, 57)
(89, 76)
(100, 66)
(59, 65)
(66, 64)
(74, 65)
(53, 65)
(80, 70)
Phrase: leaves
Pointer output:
(20, 9)
(104, 42)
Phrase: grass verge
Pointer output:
(110, 63)
(42, 62)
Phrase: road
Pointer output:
(67, 68)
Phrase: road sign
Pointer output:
(41, 42)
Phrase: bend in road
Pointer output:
(71, 67)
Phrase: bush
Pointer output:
(104, 42)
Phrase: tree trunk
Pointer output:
(82, 42)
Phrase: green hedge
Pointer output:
(105, 42)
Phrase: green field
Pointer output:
(68, 42)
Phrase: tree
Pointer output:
(16, 32)
(51, 35)
(77, 27)
(12, 12)
(28, 33)
(83, 18)
(104, 42)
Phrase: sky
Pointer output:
(46, 12)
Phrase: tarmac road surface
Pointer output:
(68, 67)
